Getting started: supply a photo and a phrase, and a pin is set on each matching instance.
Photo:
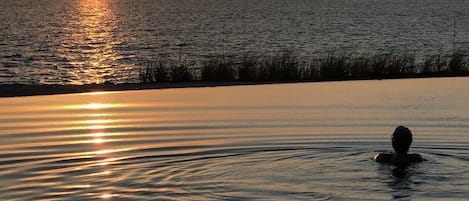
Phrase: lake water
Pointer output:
(312, 141)
(93, 41)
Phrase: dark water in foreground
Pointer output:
(274, 142)
(93, 41)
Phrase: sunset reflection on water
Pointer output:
(98, 134)
(96, 39)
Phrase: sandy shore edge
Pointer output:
(18, 90)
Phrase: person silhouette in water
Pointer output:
(401, 140)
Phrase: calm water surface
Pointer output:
(93, 41)
(275, 142)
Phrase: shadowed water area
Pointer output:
(311, 141)
(94, 41)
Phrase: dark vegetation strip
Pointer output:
(287, 67)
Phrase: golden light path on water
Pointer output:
(287, 142)
(95, 38)
(98, 135)
(98, 123)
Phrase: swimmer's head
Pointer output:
(401, 139)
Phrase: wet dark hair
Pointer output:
(401, 139)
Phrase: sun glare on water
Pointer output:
(95, 106)
(106, 196)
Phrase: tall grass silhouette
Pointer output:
(285, 66)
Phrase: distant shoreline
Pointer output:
(16, 90)
(20, 90)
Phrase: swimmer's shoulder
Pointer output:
(387, 158)
(383, 158)
(414, 158)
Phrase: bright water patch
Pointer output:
(94, 41)
(310, 141)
